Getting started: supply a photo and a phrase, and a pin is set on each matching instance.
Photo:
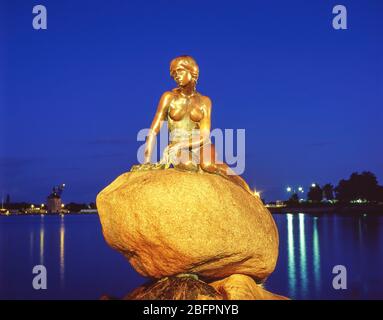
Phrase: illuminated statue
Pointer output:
(189, 116)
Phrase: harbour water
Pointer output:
(80, 265)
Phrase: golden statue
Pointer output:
(189, 116)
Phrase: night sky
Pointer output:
(73, 97)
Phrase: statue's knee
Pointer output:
(207, 166)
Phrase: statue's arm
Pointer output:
(156, 125)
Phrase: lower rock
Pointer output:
(189, 287)
(241, 287)
(183, 287)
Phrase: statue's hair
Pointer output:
(186, 62)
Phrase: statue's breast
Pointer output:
(181, 108)
(197, 114)
(177, 110)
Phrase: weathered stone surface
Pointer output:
(168, 222)
(241, 287)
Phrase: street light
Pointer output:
(293, 190)
(313, 185)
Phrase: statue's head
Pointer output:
(184, 70)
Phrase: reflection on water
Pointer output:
(302, 253)
(42, 240)
(61, 245)
(304, 277)
(79, 263)
(31, 242)
(81, 266)
(291, 256)
(310, 246)
(316, 255)
(62, 251)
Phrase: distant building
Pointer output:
(4, 212)
(54, 203)
(276, 204)
(88, 211)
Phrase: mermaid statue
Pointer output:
(188, 114)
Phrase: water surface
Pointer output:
(81, 266)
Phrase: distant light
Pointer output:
(42, 205)
(62, 205)
(288, 189)
(300, 189)
(313, 185)
(32, 206)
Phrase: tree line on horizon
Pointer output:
(71, 206)
(360, 188)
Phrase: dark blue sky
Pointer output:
(73, 97)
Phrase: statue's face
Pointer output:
(182, 76)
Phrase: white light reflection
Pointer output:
(316, 256)
(302, 254)
(42, 241)
(62, 251)
(291, 256)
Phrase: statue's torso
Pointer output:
(184, 115)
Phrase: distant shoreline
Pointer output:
(49, 214)
(353, 210)
(357, 210)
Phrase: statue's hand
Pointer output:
(147, 157)
(148, 166)
(165, 155)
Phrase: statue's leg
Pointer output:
(234, 177)
(208, 163)
(185, 162)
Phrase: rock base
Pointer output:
(168, 222)
(175, 288)
(189, 287)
